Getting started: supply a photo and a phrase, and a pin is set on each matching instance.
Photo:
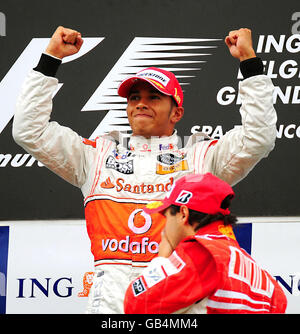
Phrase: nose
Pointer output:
(141, 105)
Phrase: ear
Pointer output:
(184, 214)
(177, 114)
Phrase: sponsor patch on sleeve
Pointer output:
(153, 275)
(138, 287)
(157, 271)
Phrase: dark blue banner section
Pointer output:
(4, 235)
(243, 234)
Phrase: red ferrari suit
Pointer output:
(207, 273)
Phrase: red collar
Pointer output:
(215, 228)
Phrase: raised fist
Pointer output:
(64, 42)
(239, 43)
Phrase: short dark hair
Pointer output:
(174, 101)
(204, 219)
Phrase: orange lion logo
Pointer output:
(87, 284)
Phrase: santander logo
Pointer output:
(143, 188)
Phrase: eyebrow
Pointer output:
(155, 91)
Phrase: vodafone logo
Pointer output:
(139, 223)
(143, 229)
(135, 247)
(128, 246)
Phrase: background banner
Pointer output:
(43, 240)
(53, 274)
(121, 37)
(4, 236)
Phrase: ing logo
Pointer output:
(87, 283)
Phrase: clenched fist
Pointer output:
(64, 42)
(239, 43)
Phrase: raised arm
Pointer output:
(240, 149)
(57, 147)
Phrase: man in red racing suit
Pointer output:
(118, 180)
(201, 267)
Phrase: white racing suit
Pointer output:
(117, 181)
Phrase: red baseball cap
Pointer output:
(162, 80)
(199, 192)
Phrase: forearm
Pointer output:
(239, 150)
(34, 104)
(33, 108)
(57, 147)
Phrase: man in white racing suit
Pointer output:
(117, 180)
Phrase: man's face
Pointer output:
(174, 228)
(151, 113)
